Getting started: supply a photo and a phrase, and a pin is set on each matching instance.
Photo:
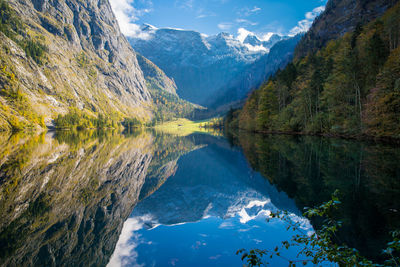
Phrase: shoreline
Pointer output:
(361, 137)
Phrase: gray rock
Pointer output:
(111, 79)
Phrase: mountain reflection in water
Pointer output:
(146, 198)
(213, 205)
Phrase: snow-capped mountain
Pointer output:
(201, 65)
(253, 43)
(254, 75)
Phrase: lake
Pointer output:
(152, 199)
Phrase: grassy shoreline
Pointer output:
(184, 127)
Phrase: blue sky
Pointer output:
(214, 16)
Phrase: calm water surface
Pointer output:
(152, 199)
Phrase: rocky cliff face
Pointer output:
(340, 16)
(88, 63)
(156, 79)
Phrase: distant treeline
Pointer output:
(350, 87)
(80, 120)
(168, 106)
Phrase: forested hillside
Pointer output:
(340, 16)
(167, 105)
(350, 87)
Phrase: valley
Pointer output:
(230, 133)
(213, 70)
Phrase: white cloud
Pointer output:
(226, 225)
(245, 21)
(126, 15)
(305, 24)
(124, 253)
(224, 26)
(246, 12)
(202, 13)
(184, 4)
(255, 9)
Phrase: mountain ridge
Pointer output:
(201, 65)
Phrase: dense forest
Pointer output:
(169, 106)
(351, 87)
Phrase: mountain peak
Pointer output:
(225, 35)
(275, 38)
(148, 27)
(205, 66)
(252, 39)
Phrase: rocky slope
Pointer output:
(167, 105)
(87, 63)
(201, 65)
(155, 77)
(340, 16)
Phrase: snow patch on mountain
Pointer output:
(201, 65)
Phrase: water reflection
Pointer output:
(64, 199)
(210, 207)
(309, 169)
(147, 198)
(64, 196)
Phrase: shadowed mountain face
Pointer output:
(237, 89)
(206, 67)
